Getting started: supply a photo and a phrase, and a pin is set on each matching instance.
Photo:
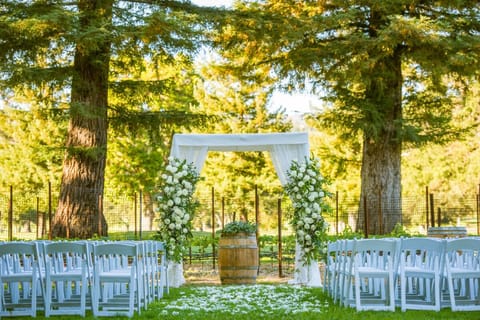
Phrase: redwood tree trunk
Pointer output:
(381, 162)
(78, 214)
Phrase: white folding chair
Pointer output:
(330, 272)
(19, 279)
(373, 274)
(67, 278)
(161, 266)
(462, 267)
(117, 280)
(343, 290)
(421, 265)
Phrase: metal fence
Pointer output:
(26, 215)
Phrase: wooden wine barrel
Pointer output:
(238, 258)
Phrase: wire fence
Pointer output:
(27, 215)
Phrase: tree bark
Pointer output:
(381, 162)
(78, 213)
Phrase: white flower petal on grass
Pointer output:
(244, 299)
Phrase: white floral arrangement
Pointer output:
(305, 187)
(177, 206)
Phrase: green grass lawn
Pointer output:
(264, 301)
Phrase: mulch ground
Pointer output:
(205, 274)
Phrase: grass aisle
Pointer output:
(267, 301)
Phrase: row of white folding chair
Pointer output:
(67, 266)
(422, 267)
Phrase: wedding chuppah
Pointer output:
(297, 173)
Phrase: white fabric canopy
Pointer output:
(283, 147)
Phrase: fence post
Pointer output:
(223, 213)
(426, 208)
(135, 214)
(140, 214)
(439, 217)
(257, 223)
(10, 215)
(365, 212)
(213, 228)
(100, 214)
(280, 253)
(432, 210)
(37, 215)
(478, 211)
(336, 212)
(49, 210)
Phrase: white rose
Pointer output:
(300, 183)
(170, 203)
(166, 221)
(171, 226)
(178, 226)
(185, 230)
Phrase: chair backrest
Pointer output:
(426, 253)
(115, 255)
(375, 252)
(18, 257)
(463, 253)
(27, 248)
(66, 255)
(462, 244)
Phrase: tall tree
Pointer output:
(379, 65)
(78, 47)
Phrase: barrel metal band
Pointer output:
(237, 246)
(238, 267)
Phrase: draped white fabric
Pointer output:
(283, 147)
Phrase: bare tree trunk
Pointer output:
(84, 164)
(382, 148)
